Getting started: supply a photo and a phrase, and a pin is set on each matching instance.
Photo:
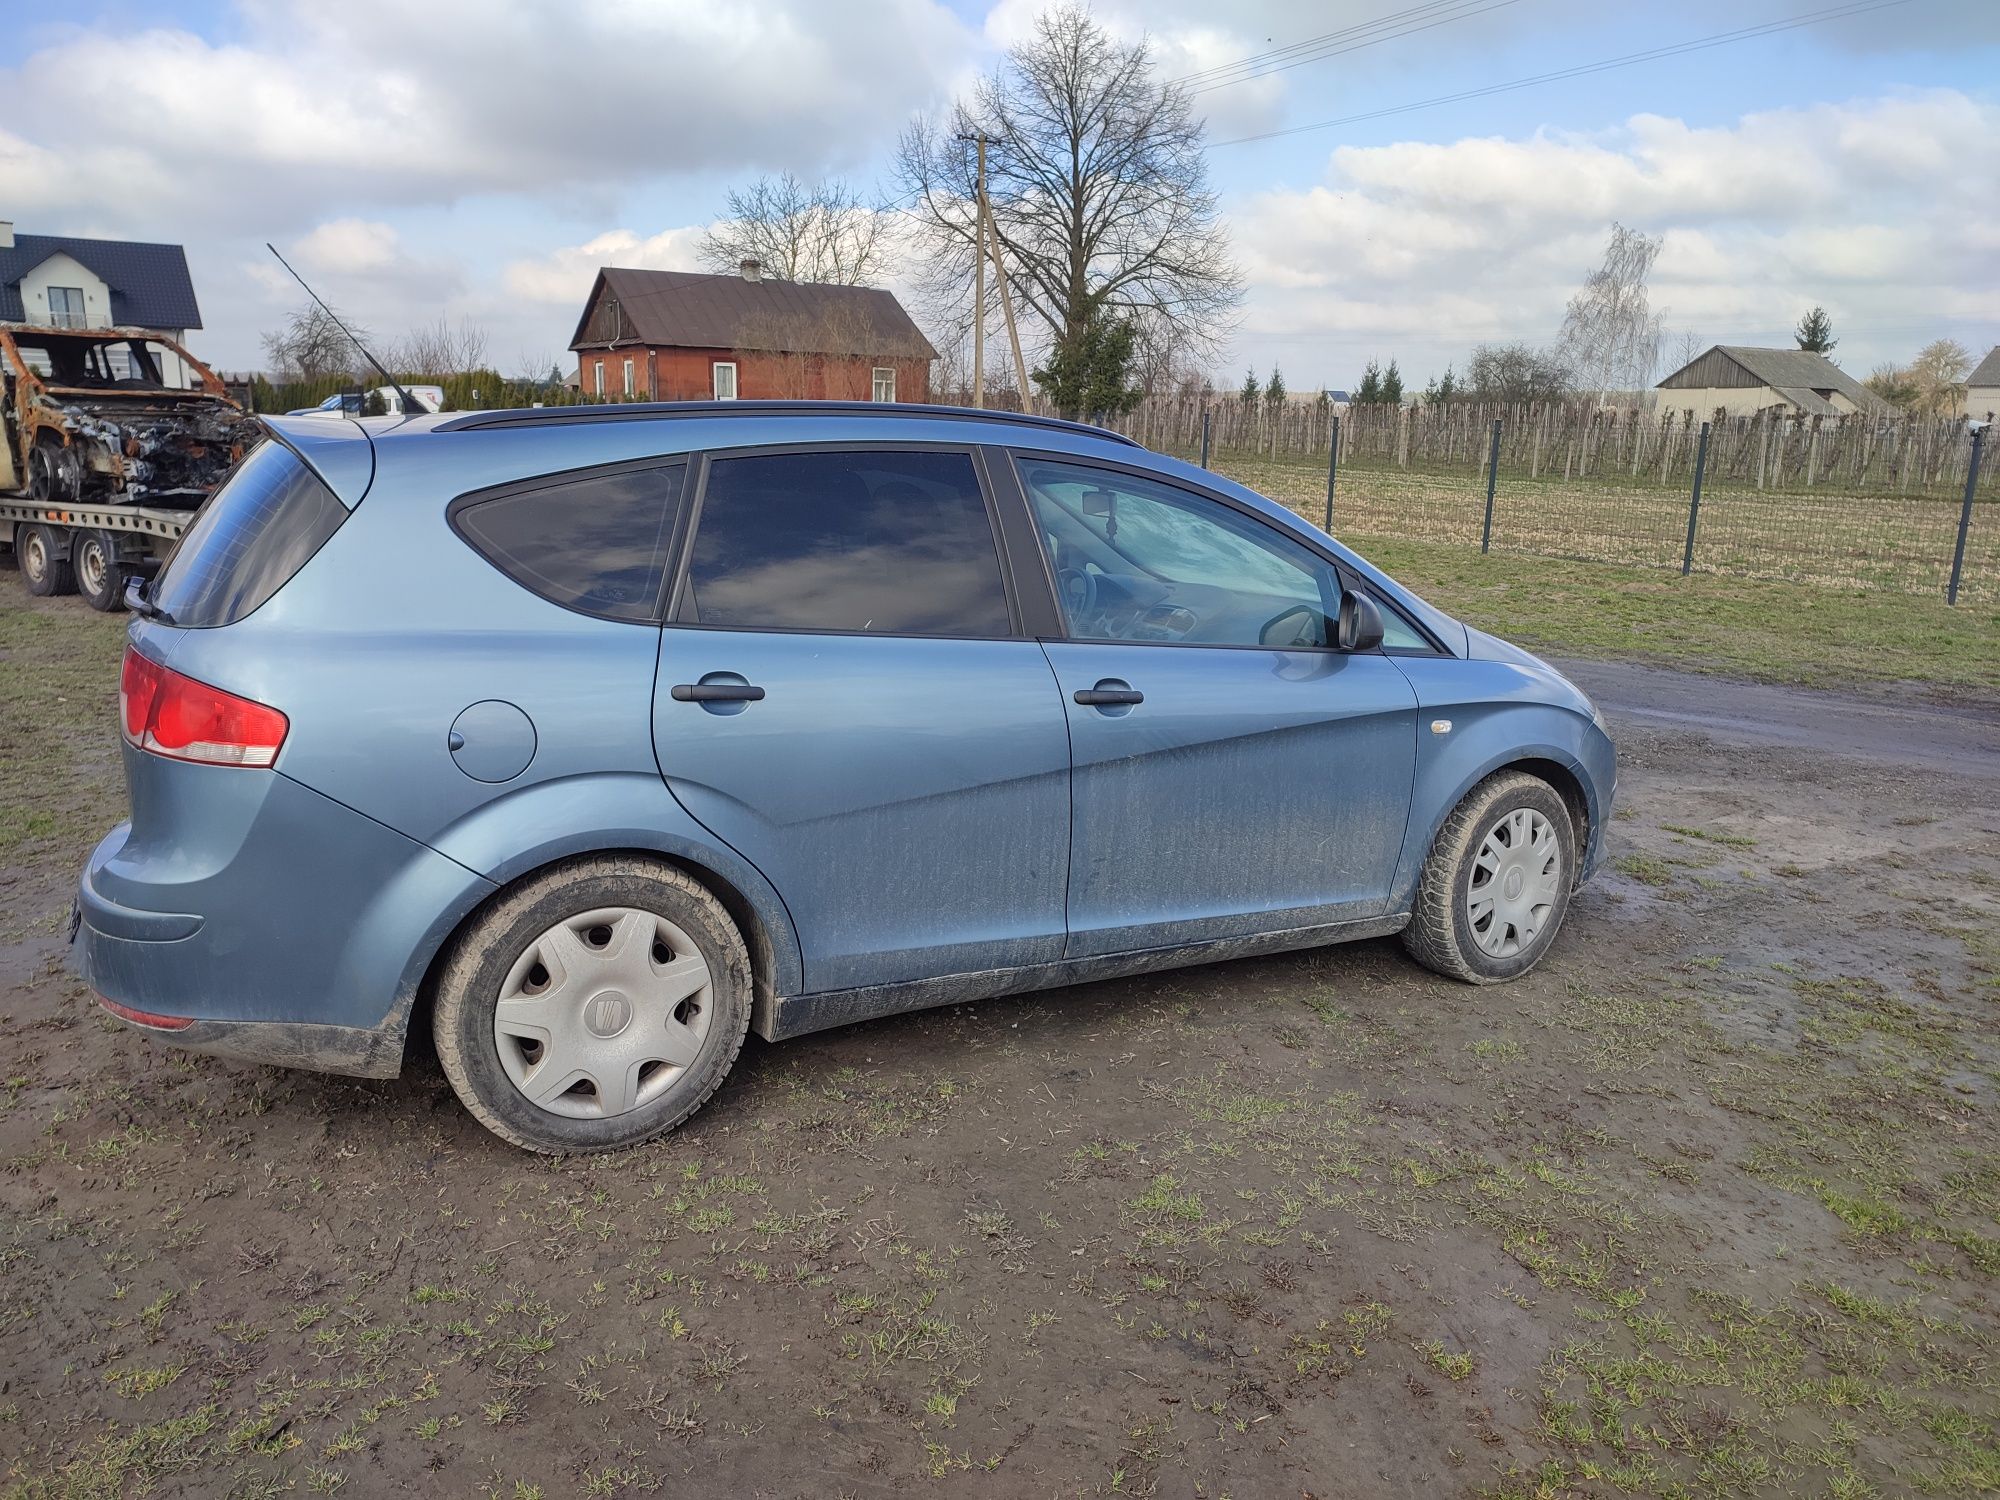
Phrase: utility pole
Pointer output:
(979, 283)
(1007, 308)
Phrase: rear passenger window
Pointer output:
(247, 541)
(594, 543)
(887, 543)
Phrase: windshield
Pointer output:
(116, 362)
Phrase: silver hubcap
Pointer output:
(601, 1014)
(36, 557)
(1515, 882)
(90, 562)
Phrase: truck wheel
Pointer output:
(100, 577)
(43, 567)
(594, 1006)
(1496, 885)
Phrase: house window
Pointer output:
(599, 368)
(885, 383)
(725, 381)
(628, 377)
(66, 307)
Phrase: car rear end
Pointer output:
(238, 909)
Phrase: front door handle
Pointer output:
(716, 692)
(1108, 694)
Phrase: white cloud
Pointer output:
(351, 245)
(381, 102)
(563, 276)
(1422, 250)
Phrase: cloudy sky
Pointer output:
(480, 158)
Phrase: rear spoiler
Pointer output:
(338, 450)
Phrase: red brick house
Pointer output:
(679, 336)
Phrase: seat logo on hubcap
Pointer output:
(1515, 880)
(607, 1014)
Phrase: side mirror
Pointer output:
(1360, 623)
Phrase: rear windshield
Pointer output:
(248, 540)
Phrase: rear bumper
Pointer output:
(265, 922)
(359, 1051)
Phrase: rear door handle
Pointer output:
(715, 692)
(1107, 697)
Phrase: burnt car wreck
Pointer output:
(114, 416)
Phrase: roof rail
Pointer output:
(644, 411)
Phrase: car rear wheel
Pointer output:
(99, 576)
(43, 567)
(1497, 883)
(593, 1007)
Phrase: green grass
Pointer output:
(1749, 627)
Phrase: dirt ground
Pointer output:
(1707, 1205)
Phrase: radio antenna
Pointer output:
(410, 407)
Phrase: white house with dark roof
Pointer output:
(1739, 381)
(61, 281)
(1982, 388)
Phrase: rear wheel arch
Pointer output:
(756, 934)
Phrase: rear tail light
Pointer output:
(164, 713)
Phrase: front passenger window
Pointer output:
(1136, 560)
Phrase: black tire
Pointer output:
(42, 474)
(482, 954)
(100, 577)
(1441, 935)
(44, 569)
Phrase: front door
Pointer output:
(1232, 773)
(844, 700)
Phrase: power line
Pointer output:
(1335, 43)
(1651, 54)
(1202, 75)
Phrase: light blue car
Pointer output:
(597, 736)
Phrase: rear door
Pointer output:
(1233, 773)
(848, 698)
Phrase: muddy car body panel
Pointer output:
(895, 818)
(89, 418)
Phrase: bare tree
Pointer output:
(1688, 347)
(440, 348)
(1893, 384)
(1610, 338)
(1164, 360)
(1098, 186)
(1515, 372)
(798, 233)
(1938, 376)
(311, 346)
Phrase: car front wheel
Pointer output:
(1497, 883)
(595, 1006)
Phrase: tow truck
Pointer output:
(106, 457)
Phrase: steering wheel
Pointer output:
(1077, 590)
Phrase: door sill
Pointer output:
(777, 1018)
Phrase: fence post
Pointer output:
(1492, 474)
(1204, 437)
(1332, 470)
(1964, 517)
(1694, 502)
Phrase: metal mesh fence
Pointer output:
(1841, 503)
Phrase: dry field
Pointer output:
(1901, 543)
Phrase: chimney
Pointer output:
(751, 270)
(6, 234)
